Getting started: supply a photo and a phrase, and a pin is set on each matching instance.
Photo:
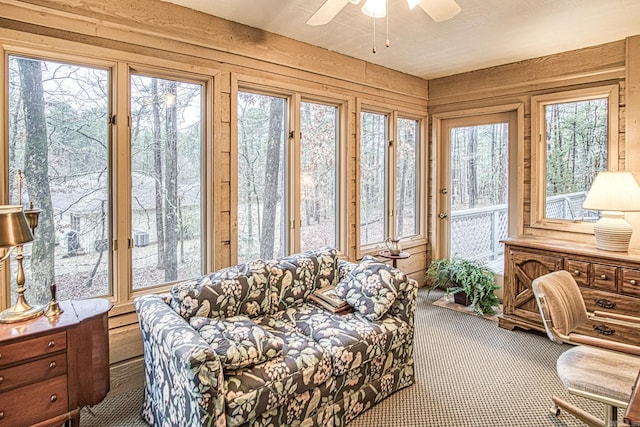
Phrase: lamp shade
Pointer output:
(614, 191)
(14, 227)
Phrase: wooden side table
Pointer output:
(394, 258)
(52, 367)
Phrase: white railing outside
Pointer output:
(476, 233)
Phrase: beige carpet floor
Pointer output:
(469, 372)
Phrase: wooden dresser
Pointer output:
(52, 367)
(609, 281)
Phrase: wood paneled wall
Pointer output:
(160, 34)
(126, 31)
(516, 83)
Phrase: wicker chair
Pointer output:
(596, 369)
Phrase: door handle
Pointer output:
(442, 215)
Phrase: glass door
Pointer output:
(473, 189)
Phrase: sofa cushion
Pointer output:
(238, 340)
(241, 289)
(371, 288)
(351, 339)
(303, 365)
(295, 277)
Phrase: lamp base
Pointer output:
(20, 312)
(612, 232)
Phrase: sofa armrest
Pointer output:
(404, 306)
(184, 381)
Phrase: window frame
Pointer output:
(295, 95)
(121, 237)
(394, 113)
(539, 152)
(206, 82)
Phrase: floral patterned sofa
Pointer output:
(244, 346)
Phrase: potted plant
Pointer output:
(465, 278)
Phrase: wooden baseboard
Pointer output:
(126, 376)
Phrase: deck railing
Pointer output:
(476, 233)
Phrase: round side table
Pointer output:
(394, 258)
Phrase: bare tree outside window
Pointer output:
(318, 175)
(262, 138)
(576, 150)
(373, 197)
(166, 178)
(58, 137)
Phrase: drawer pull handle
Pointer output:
(603, 276)
(52, 365)
(604, 329)
(576, 272)
(633, 282)
(1, 379)
(1, 415)
(604, 303)
(53, 398)
(51, 344)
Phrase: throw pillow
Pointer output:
(294, 278)
(238, 340)
(370, 288)
(232, 291)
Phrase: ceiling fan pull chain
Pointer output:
(387, 44)
(374, 35)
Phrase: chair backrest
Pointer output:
(561, 304)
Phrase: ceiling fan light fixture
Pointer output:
(413, 3)
(375, 8)
(441, 10)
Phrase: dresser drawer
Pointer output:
(630, 279)
(30, 404)
(19, 351)
(607, 301)
(579, 270)
(38, 370)
(604, 277)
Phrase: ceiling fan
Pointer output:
(438, 10)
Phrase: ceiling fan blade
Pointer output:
(327, 12)
(440, 10)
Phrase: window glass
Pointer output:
(166, 180)
(262, 138)
(319, 125)
(406, 181)
(576, 150)
(373, 200)
(58, 138)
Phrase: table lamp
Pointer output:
(15, 231)
(613, 193)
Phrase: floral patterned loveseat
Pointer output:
(244, 346)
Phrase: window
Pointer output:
(389, 201)
(288, 196)
(58, 138)
(319, 162)
(262, 138)
(576, 139)
(373, 165)
(166, 177)
(66, 140)
(406, 178)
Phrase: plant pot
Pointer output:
(461, 298)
